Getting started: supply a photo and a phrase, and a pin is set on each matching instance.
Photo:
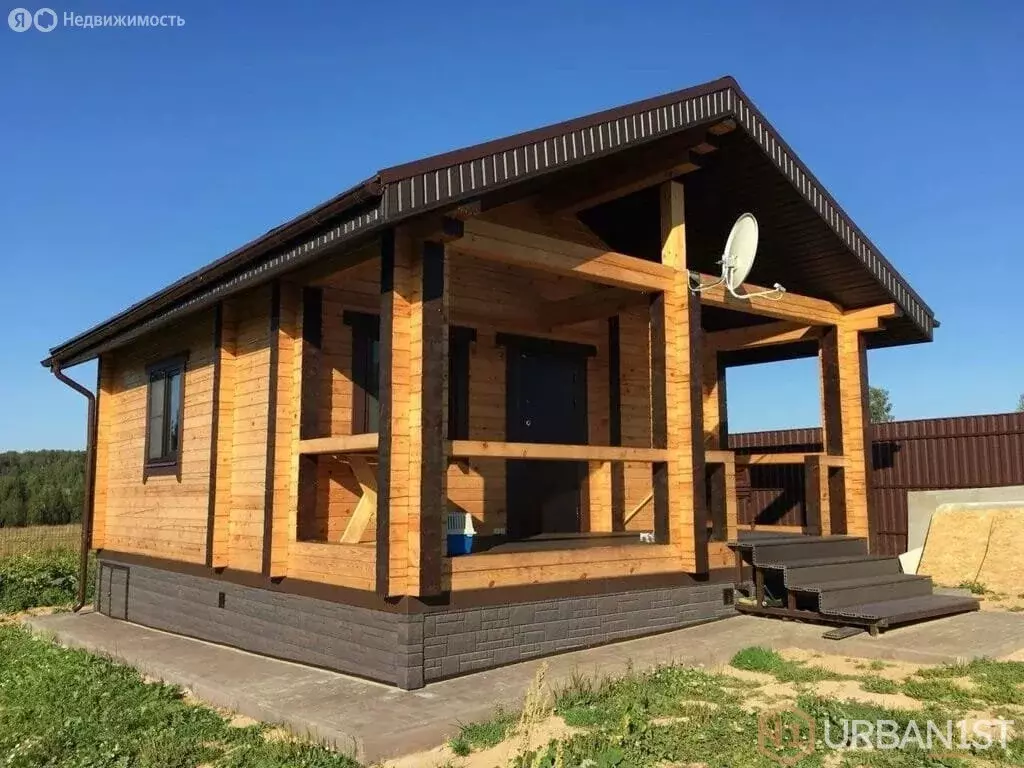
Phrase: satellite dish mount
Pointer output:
(737, 261)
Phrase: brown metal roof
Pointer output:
(441, 181)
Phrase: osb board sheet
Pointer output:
(967, 544)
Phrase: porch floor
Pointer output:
(377, 722)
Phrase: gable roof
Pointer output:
(441, 181)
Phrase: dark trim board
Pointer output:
(402, 648)
(211, 510)
(268, 490)
(386, 406)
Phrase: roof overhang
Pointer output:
(446, 181)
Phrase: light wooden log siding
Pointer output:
(162, 517)
(249, 433)
(105, 405)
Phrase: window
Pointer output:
(366, 376)
(164, 410)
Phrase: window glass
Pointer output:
(156, 417)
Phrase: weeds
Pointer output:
(41, 579)
(769, 662)
(483, 735)
(974, 587)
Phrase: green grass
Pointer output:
(975, 587)
(41, 578)
(994, 682)
(769, 662)
(482, 735)
(875, 684)
(61, 707)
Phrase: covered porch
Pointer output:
(507, 363)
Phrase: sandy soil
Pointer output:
(846, 665)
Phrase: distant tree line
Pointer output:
(41, 487)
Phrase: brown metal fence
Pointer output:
(929, 454)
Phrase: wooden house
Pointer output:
(506, 331)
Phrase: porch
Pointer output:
(511, 366)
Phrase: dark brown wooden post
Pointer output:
(434, 419)
(386, 406)
(832, 422)
(618, 479)
(813, 477)
(659, 419)
(699, 467)
(717, 493)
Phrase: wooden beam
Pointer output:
(366, 443)
(366, 508)
(853, 397)
(868, 318)
(551, 451)
(764, 335)
(750, 459)
(633, 179)
(592, 304)
(683, 351)
(495, 242)
(274, 333)
(790, 306)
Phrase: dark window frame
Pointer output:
(366, 331)
(169, 462)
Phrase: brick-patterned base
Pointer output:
(403, 649)
(469, 640)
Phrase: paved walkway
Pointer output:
(374, 722)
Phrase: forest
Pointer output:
(41, 487)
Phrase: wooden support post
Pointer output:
(716, 418)
(104, 424)
(685, 413)
(618, 468)
(717, 492)
(392, 466)
(659, 420)
(815, 477)
(312, 345)
(428, 422)
(831, 401)
(856, 446)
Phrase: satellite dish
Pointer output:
(740, 250)
(737, 261)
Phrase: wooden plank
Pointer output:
(526, 249)
(368, 442)
(552, 451)
(718, 507)
(366, 509)
(386, 400)
(790, 306)
(775, 458)
(764, 335)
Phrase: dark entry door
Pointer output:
(546, 403)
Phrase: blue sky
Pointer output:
(133, 156)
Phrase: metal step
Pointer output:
(892, 612)
(836, 568)
(871, 589)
